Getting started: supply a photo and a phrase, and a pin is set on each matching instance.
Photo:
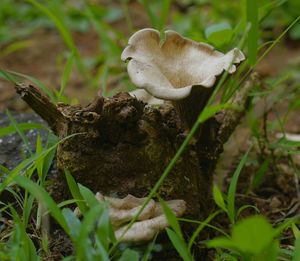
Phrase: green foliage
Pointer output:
(201, 226)
(229, 207)
(19, 246)
(95, 222)
(43, 196)
(129, 255)
(232, 188)
(14, 78)
(157, 12)
(66, 75)
(172, 220)
(252, 18)
(75, 192)
(179, 245)
(19, 131)
(296, 254)
(16, 46)
(218, 198)
(175, 235)
(219, 34)
(253, 238)
(258, 177)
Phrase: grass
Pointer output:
(251, 238)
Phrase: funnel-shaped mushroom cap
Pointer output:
(169, 69)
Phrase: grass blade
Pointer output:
(87, 226)
(200, 228)
(252, 18)
(218, 198)
(73, 223)
(179, 245)
(232, 188)
(105, 233)
(75, 192)
(164, 14)
(27, 208)
(109, 46)
(88, 196)
(19, 131)
(48, 159)
(259, 175)
(22, 127)
(244, 207)
(295, 230)
(58, 23)
(172, 220)
(66, 75)
(40, 162)
(149, 249)
(24, 164)
(38, 83)
(152, 17)
(43, 196)
(15, 46)
(3, 170)
(7, 76)
(29, 162)
(129, 255)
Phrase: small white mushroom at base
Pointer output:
(150, 222)
(145, 230)
(142, 231)
(123, 210)
(144, 96)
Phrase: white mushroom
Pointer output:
(151, 220)
(169, 69)
(289, 136)
(144, 96)
(146, 229)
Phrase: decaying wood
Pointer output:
(41, 105)
(123, 145)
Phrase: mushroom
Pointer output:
(146, 229)
(177, 69)
(144, 96)
(289, 136)
(150, 221)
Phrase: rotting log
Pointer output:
(123, 146)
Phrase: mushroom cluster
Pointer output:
(177, 69)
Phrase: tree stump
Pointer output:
(123, 145)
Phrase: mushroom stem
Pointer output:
(190, 107)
